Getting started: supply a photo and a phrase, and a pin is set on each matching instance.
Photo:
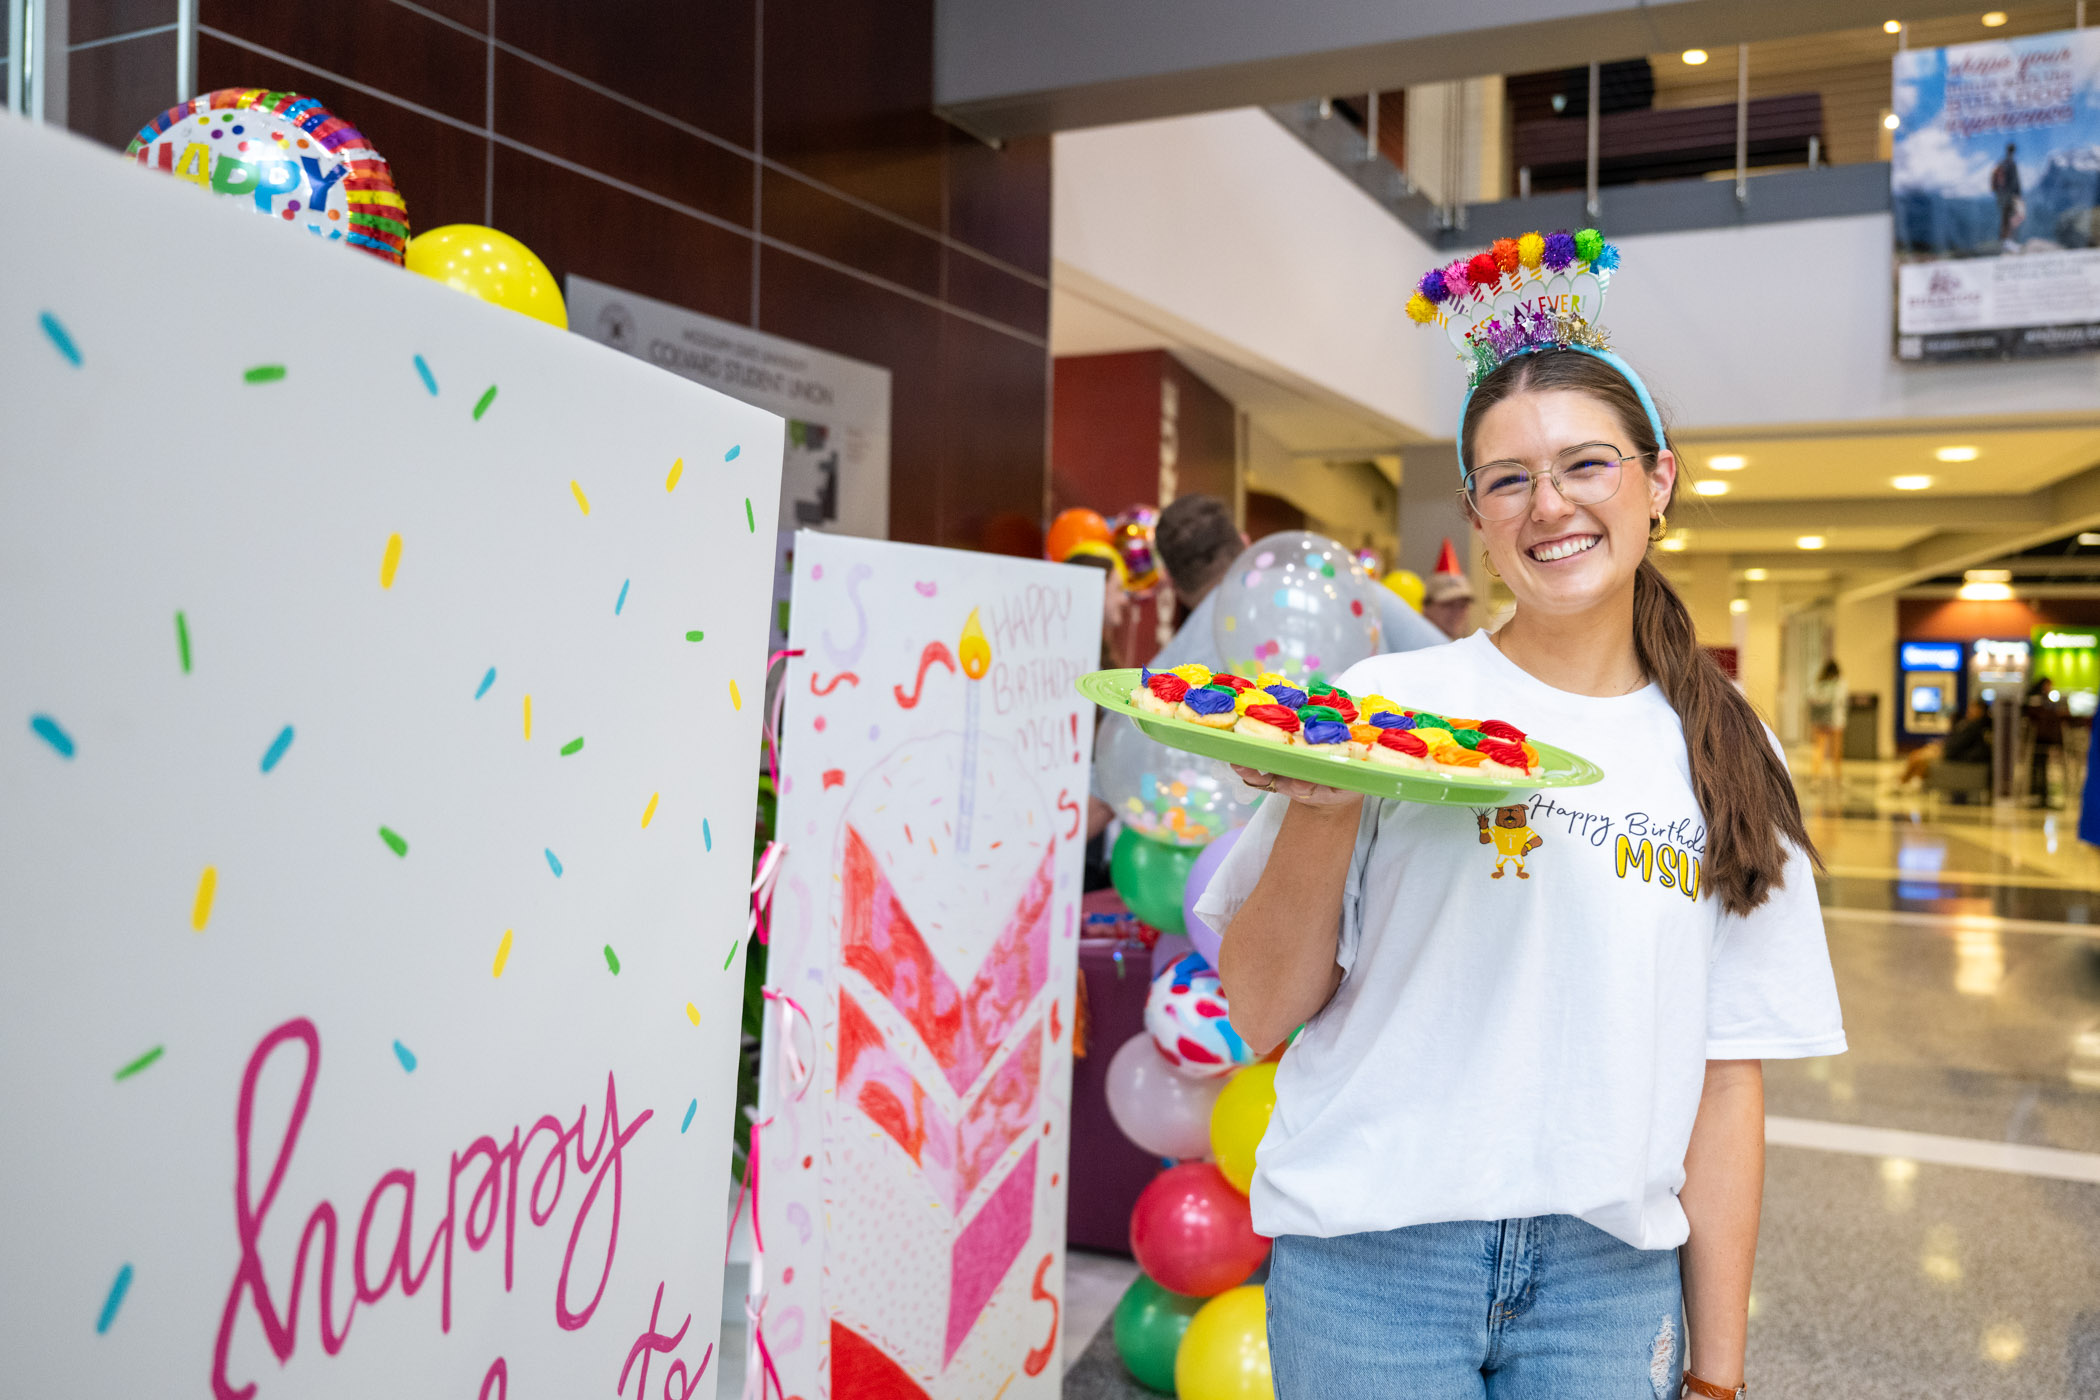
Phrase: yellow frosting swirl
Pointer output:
(1194, 672)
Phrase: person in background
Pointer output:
(1826, 720)
(2044, 713)
(1969, 741)
(1196, 542)
(1447, 601)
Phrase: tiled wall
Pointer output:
(772, 162)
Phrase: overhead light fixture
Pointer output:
(1910, 483)
(1728, 462)
(1809, 542)
(1890, 120)
(1957, 454)
(1984, 592)
(1756, 575)
(1892, 26)
(2089, 537)
(1993, 19)
(1986, 576)
(1695, 57)
(1709, 488)
(1738, 605)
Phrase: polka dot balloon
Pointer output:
(1295, 603)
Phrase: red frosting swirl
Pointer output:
(1281, 716)
(1232, 683)
(1403, 741)
(1167, 686)
(1499, 751)
(1502, 729)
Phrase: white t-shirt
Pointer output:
(1523, 1025)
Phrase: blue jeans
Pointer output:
(1548, 1308)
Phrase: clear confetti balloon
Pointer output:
(1164, 793)
(1298, 604)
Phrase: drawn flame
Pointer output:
(973, 650)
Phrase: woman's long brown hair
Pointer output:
(1742, 784)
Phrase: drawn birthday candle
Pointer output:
(975, 653)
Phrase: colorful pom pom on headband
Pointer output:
(1524, 295)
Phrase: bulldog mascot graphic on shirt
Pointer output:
(1511, 836)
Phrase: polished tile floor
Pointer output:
(1932, 1197)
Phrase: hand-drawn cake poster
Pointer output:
(912, 1196)
(378, 723)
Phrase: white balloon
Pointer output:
(1164, 793)
(1166, 1113)
(1295, 603)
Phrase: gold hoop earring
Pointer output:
(1489, 564)
(1658, 528)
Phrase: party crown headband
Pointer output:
(1538, 292)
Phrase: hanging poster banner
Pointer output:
(1995, 191)
(378, 738)
(933, 802)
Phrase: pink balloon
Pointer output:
(1206, 939)
(1192, 1233)
(1166, 1113)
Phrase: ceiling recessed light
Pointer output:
(1709, 488)
(1695, 57)
(1756, 575)
(1891, 120)
(1957, 454)
(1728, 462)
(1986, 576)
(2089, 537)
(1910, 483)
(1809, 542)
(1993, 19)
(1984, 592)
(1738, 605)
(1892, 26)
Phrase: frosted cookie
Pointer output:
(1400, 748)
(1212, 708)
(1286, 695)
(1507, 757)
(1362, 738)
(1329, 734)
(1161, 693)
(1368, 705)
(1450, 755)
(1193, 672)
(1269, 678)
(1391, 719)
(1276, 723)
(1502, 729)
(1425, 720)
(1235, 684)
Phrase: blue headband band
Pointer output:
(1640, 391)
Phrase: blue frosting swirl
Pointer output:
(1326, 731)
(1386, 719)
(1206, 701)
(1287, 696)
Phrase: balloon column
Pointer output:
(1188, 1085)
(294, 158)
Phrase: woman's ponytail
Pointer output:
(1741, 782)
(1742, 786)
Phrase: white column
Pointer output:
(1759, 660)
(1865, 648)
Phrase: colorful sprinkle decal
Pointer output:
(406, 1056)
(49, 731)
(733, 946)
(182, 639)
(264, 374)
(207, 891)
(677, 470)
(114, 1301)
(736, 699)
(429, 379)
(695, 636)
(486, 400)
(692, 1013)
(621, 601)
(707, 837)
(553, 862)
(140, 1063)
(502, 955)
(59, 337)
(750, 520)
(528, 719)
(649, 812)
(389, 561)
(582, 500)
(574, 745)
(730, 455)
(393, 840)
(486, 681)
(612, 960)
(277, 747)
(690, 1109)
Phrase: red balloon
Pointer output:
(1193, 1234)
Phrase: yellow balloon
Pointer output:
(485, 263)
(1408, 584)
(1238, 1118)
(1225, 1353)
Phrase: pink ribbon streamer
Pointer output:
(798, 1073)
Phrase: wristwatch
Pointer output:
(1694, 1386)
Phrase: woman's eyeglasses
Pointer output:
(1584, 476)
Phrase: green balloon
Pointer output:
(1151, 875)
(1149, 1323)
